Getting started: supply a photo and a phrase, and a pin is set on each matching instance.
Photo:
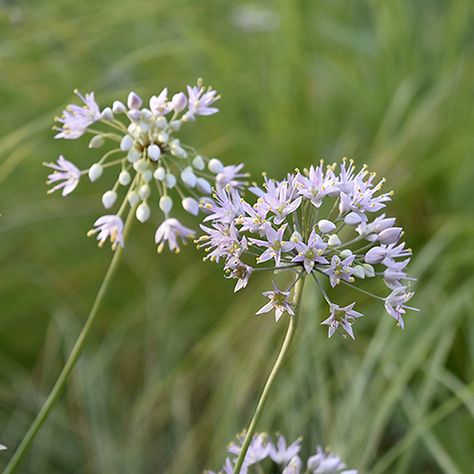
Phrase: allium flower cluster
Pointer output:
(281, 457)
(151, 164)
(325, 222)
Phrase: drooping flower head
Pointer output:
(324, 221)
(152, 164)
(170, 231)
(65, 176)
(108, 227)
(284, 456)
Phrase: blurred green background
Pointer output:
(176, 361)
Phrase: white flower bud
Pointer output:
(166, 204)
(107, 114)
(198, 163)
(326, 226)
(345, 253)
(160, 173)
(163, 137)
(179, 102)
(154, 152)
(147, 176)
(390, 235)
(124, 178)
(146, 115)
(134, 101)
(95, 172)
(96, 142)
(334, 240)
(369, 270)
(170, 180)
(144, 126)
(203, 186)
(177, 150)
(188, 117)
(144, 191)
(133, 129)
(133, 198)
(215, 166)
(140, 166)
(352, 219)
(133, 155)
(109, 198)
(175, 125)
(188, 177)
(190, 205)
(134, 115)
(358, 271)
(126, 143)
(375, 255)
(143, 212)
(384, 224)
(161, 122)
(118, 107)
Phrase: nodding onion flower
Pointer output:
(323, 221)
(281, 457)
(151, 164)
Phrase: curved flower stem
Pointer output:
(48, 405)
(268, 384)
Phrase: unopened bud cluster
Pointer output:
(152, 166)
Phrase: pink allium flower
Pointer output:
(200, 100)
(316, 222)
(285, 456)
(76, 118)
(282, 453)
(108, 227)
(171, 231)
(65, 173)
(341, 317)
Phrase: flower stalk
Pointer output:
(63, 377)
(272, 376)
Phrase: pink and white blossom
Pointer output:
(65, 176)
(171, 231)
(108, 227)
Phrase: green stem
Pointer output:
(271, 378)
(48, 405)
